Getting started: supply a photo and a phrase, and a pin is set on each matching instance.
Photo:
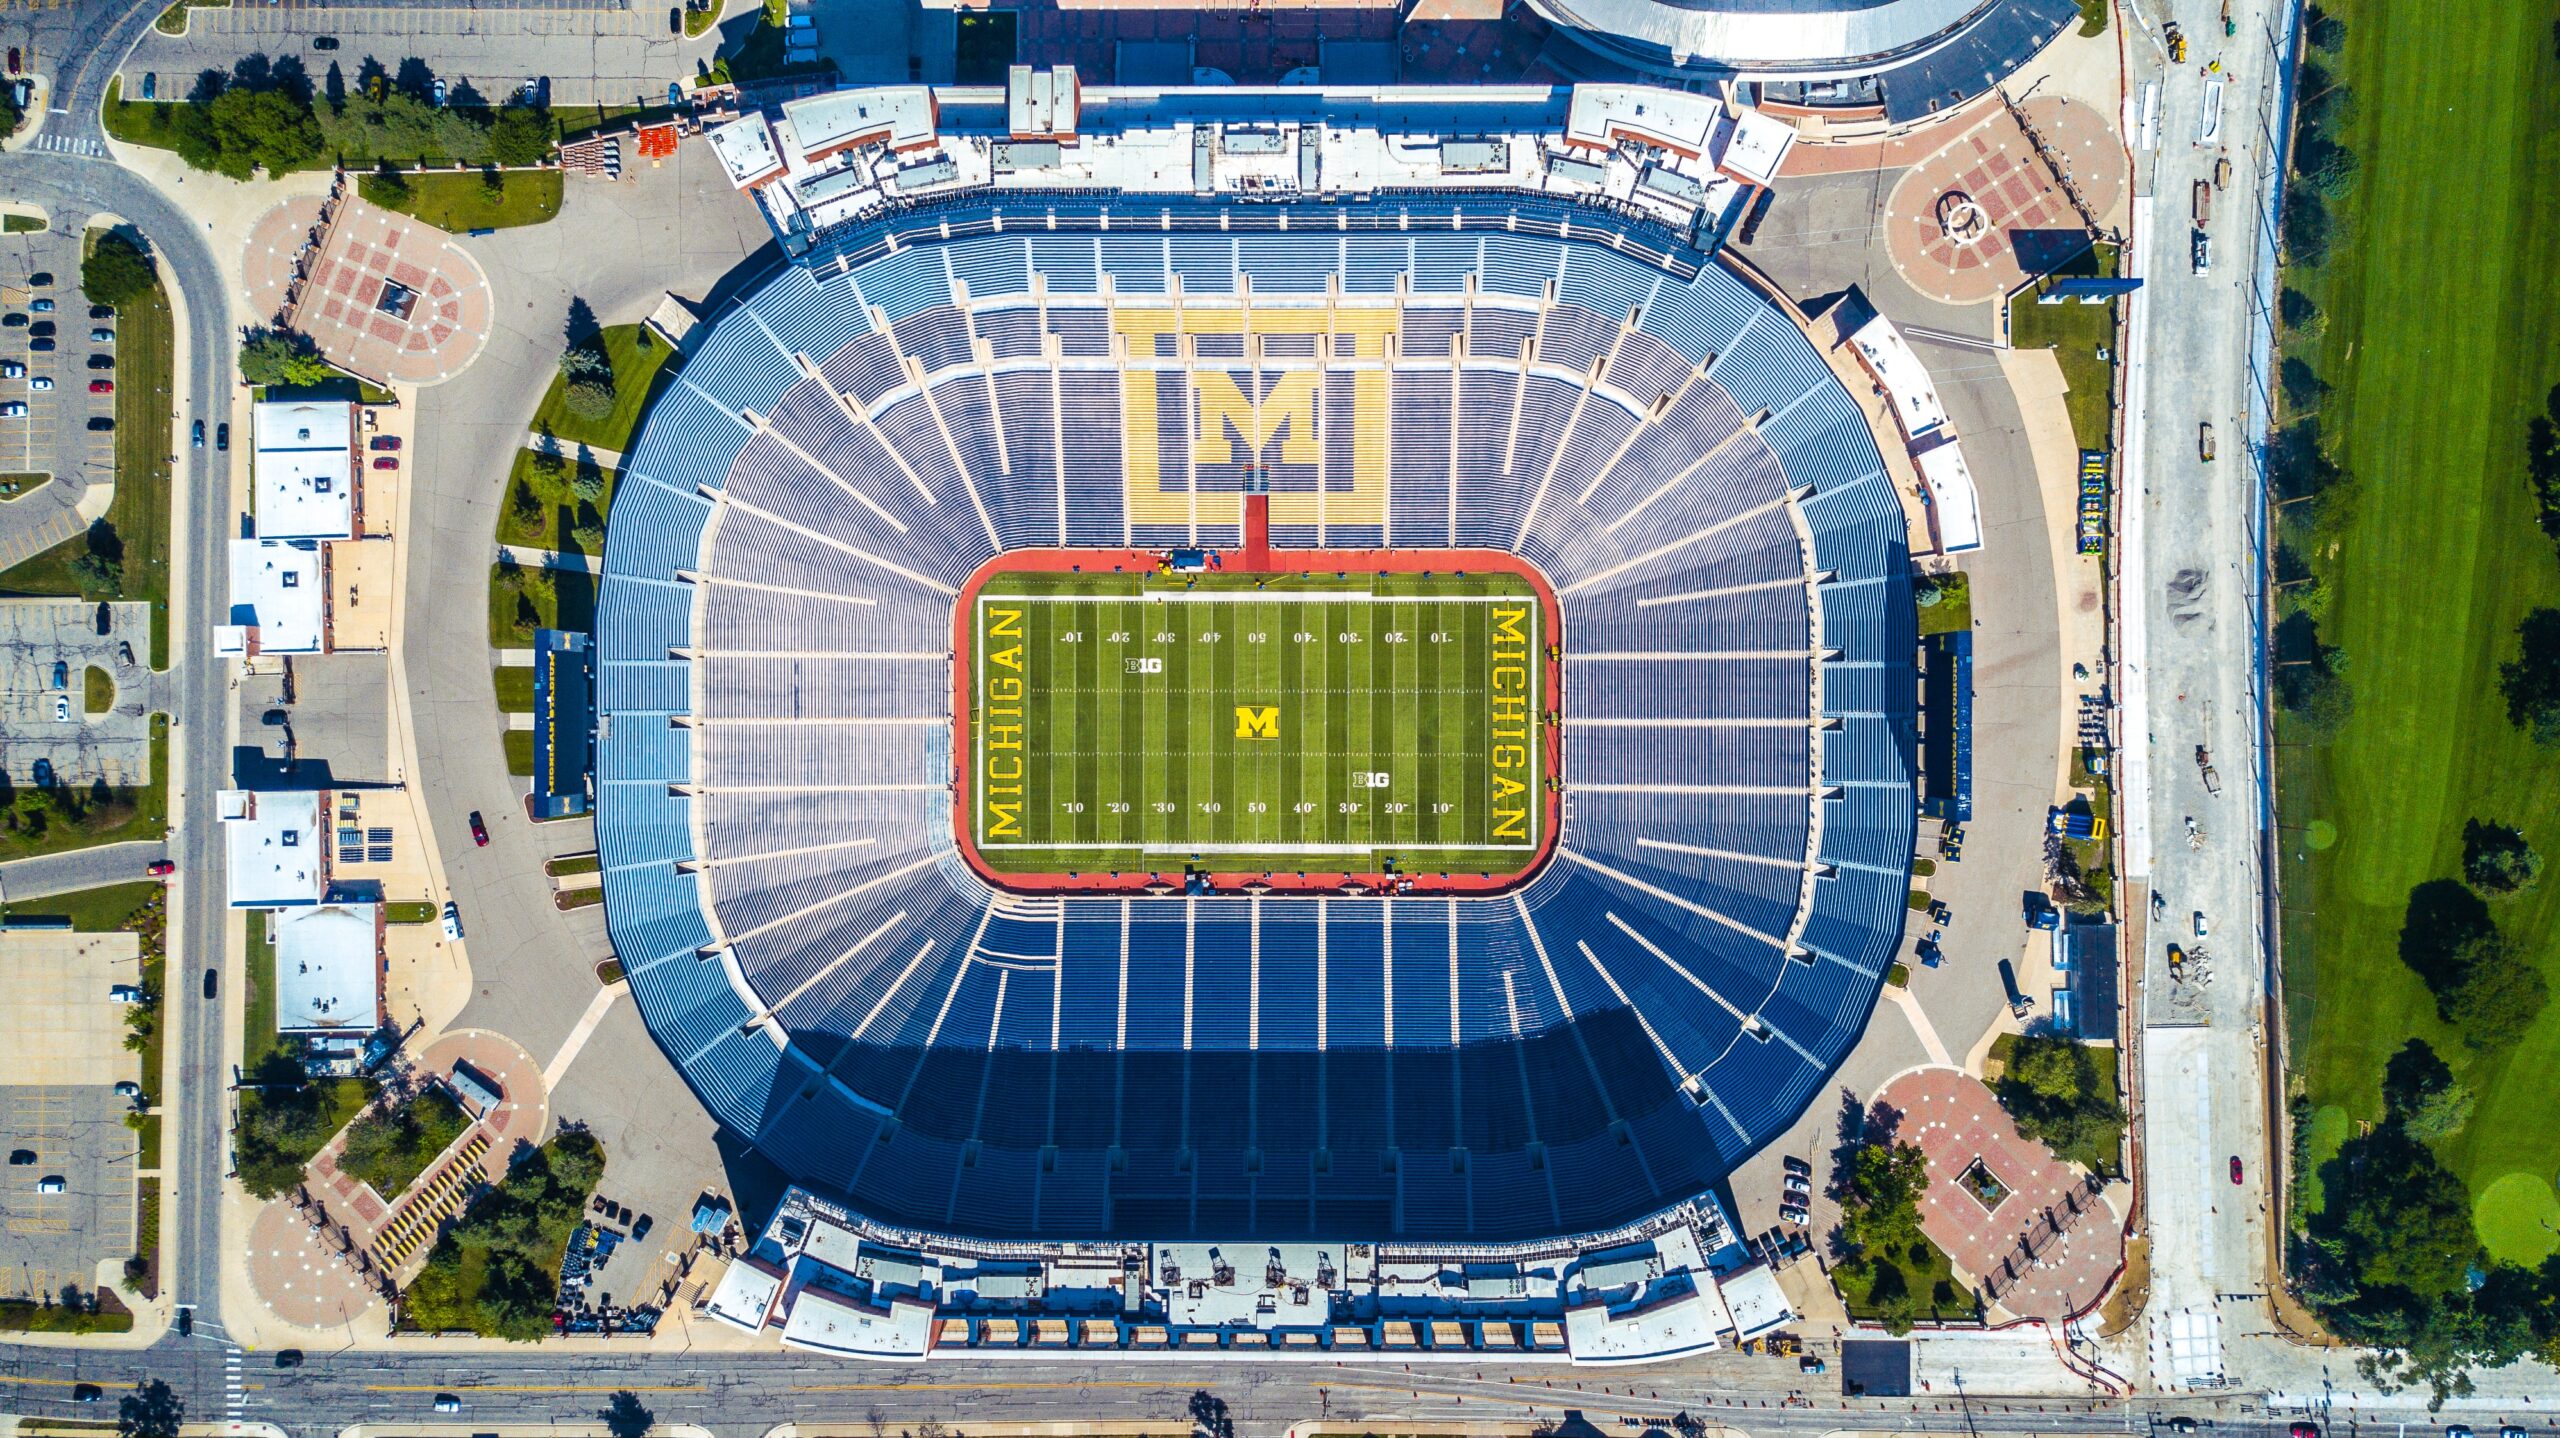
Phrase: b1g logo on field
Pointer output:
(1257, 721)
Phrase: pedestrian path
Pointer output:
(609, 458)
(563, 561)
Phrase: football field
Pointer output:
(1124, 722)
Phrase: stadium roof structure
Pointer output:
(850, 440)
(832, 161)
(1911, 59)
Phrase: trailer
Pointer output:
(2203, 203)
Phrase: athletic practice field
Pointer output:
(1253, 722)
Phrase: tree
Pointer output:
(151, 1410)
(2053, 1089)
(2498, 998)
(386, 186)
(275, 357)
(2531, 680)
(116, 272)
(1210, 1417)
(586, 480)
(624, 1416)
(2420, 1093)
(2497, 861)
(2300, 313)
(520, 135)
(262, 129)
(1880, 1212)
(98, 574)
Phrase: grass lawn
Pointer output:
(419, 912)
(519, 746)
(515, 688)
(567, 602)
(97, 690)
(558, 512)
(579, 864)
(578, 898)
(22, 225)
(142, 1270)
(1931, 1279)
(1953, 613)
(456, 201)
(105, 910)
(21, 1317)
(2436, 370)
(637, 354)
(2075, 332)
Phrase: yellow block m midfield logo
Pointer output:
(1257, 721)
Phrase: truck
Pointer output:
(2201, 251)
(2203, 203)
(2204, 440)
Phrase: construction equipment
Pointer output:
(2203, 202)
(2195, 835)
(2177, 44)
(2222, 173)
(2204, 766)
(2204, 441)
(2228, 28)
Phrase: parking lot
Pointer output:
(47, 647)
(41, 304)
(51, 1239)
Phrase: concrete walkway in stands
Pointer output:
(565, 561)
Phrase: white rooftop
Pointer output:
(1889, 357)
(328, 969)
(274, 844)
(1757, 148)
(746, 1293)
(745, 148)
(278, 599)
(1752, 1297)
(835, 1323)
(304, 466)
(1952, 499)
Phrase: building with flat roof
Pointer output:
(274, 843)
(279, 599)
(329, 970)
(303, 461)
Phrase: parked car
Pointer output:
(61, 708)
(21, 1157)
(102, 386)
(42, 306)
(40, 280)
(40, 383)
(439, 91)
(196, 436)
(101, 424)
(150, 84)
(453, 925)
(41, 327)
(13, 321)
(125, 993)
(479, 831)
(102, 336)
(2457, 1430)
(1810, 1364)
(2236, 1170)
(222, 437)
(386, 441)
(100, 361)
(288, 1358)
(51, 1183)
(42, 344)
(212, 980)
(273, 718)
(384, 461)
(127, 1088)
(102, 312)
(14, 409)
(162, 868)
(13, 60)
(324, 42)
(12, 369)
(2182, 1424)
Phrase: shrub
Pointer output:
(282, 357)
(2497, 861)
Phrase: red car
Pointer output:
(102, 386)
(479, 831)
(386, 462)
(2235, 1169)
(162, 868)
(386, 441)
(2306, 1430)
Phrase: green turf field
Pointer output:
(2442, 299)
(1256, 722)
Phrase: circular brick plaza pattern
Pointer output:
(297, 1261)
(388, 297)
(2031, 225)
(2044, 1249)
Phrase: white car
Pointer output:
(452, 923)
(446, 1402)
(14, 409)
(2200, 924)
(62, 708)
(125, 994)
(40, 383)
(127, 1088)
(12, 369)
(50, 1183)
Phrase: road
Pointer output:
(49, 874)
(2192, 588)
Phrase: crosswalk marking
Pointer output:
(71, 145)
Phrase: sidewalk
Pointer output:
(565, 561)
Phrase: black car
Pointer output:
(210, 978)
(102, 362)
(222, 437)
(86, 1393)
(288, 1358)
(41, 327)
(41, 345)
(13, 321)
(324, 42)
(273, 718)
(100, 424)
(198, 436)
(102, 312)
(40, 280)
